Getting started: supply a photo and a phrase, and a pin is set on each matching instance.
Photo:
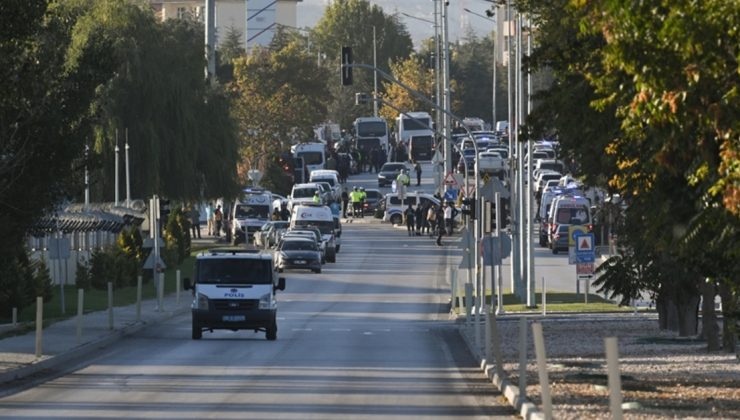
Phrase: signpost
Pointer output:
(584, 257)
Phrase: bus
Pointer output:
(421, 148)
(419, 125)
(371, 133)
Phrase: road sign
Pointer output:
(493, 186)
(451, 195)
(467, 192)
(584, 247)
(149, 264)
(492, 253)
(585, 269)
(572, 229)
(450, 180)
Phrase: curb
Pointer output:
(82, 350)
(527, 409)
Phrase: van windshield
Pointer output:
(329, 181)
(243, 211)
(304, 192)
(312, 158)
(234, 271)
(371, 129)
(572, 216)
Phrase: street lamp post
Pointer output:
(493, 80)
(375, 76)
(115, 177)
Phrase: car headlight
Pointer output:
(265, 301)
(201, 302)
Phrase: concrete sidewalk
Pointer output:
(60, 344)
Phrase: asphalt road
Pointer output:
(368, 338)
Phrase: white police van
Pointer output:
(234, 290)
(249, 213)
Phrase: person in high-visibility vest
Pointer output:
(316, 198)
(356, 197)
(363, 198)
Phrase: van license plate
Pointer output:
(300, 261)
(234, 318)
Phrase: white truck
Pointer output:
(491, 162)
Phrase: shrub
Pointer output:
(41, 283)
(82, 276)
(15, 274)
(177, 237)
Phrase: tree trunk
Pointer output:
(678, 313)
(688, 316)
(709, 328)
(730, 312)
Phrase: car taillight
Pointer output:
(590, 228)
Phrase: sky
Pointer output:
(310, 11)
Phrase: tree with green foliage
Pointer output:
(350, 23)
(229, 50)
(279, 95)
(415, 74)
(651, 91)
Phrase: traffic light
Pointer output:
(346, 66)
(468, 207)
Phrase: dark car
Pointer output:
(389, 172)
(559, 239)
(298, 253)
(469, 156)
(374, 197)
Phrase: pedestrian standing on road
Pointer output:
(409, 214)
(363, 198)
(419, 218)
(440, 225)
(450, 213)
(276, 214)
(218, 219)
(195, 221)
(345, 201)
(355, 196)
(431, 219)
(417, 168)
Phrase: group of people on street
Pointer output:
(430, 219)
(357, 196)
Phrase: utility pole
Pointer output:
(446, 82)
(117, 149)
(530, 196)
(211, 40)
(375, 76)
(128, 173)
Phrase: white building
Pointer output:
(256, 20)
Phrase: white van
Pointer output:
(566, 210)
(249, 213)
(320, 216)
(234, 290)
(313, 154)
(331, 177)
(394, 207)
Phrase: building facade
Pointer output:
(256, 20)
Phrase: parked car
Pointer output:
(298, 253)
(389, 172)
(372, 200)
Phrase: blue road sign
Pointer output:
(584, 248)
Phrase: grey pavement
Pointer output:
(60, 344)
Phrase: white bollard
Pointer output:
(457, 288)
(544, 297)
(615, 382)
(15, 317)
(539, 348)
(138, 298)
(110, 305)
(522, 360)
(468, 302)
(39, 323)
(80, 311)
(177, 287)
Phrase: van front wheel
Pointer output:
(396, 219)
(271, 332)
(197, 331)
